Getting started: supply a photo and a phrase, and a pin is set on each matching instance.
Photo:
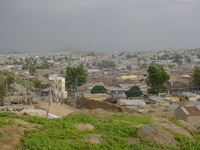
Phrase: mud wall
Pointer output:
(92, 104)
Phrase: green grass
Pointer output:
(22, 125)
(61, 134)
(1, 134)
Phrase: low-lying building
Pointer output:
(190, 114)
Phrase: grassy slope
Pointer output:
(114, 130)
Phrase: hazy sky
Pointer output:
(103, 25)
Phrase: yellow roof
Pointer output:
(128, 77)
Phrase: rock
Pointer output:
(156, 134)
(84, 126)
(94, 138)
(189, 126)
(9, 109)
(20, 109)
(3, 109)
(167, 124)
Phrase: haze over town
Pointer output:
(100, 25)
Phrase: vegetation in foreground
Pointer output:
(61, 134)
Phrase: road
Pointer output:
(56, 108)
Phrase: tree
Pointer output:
(75, 77)
(98, 89)
(134, 92)
(106, 64)
(177, 59)
(157, 79)
(128, 67)
(187, 59)
(46, 75)
(38, 84)
(6, 79)
(196, 76)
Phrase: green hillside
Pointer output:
(110, 131)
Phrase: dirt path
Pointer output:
(57, 108)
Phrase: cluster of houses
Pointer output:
(129, 71)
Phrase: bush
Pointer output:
(134, 92)
(98, 89)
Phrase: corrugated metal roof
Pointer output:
(191, 110)
(128, 102)
(192, 103)
(185, 111)
(52, 78)
(156, 98)
(198, 106)
(174, 105)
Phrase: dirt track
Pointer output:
(57, 108)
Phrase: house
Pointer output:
(131, 77)
(174, 105)
(154, 99)
(190, 114)
(58, 84)
(192, 103)
(128, 102)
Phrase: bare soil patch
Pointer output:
(12, 133)
(99, 112)
(56, 108)
(94, 138)
(84, 126)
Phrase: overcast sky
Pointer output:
(103, 25)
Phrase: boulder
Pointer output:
(9, 109)
(156, 134)
(173, 127)
(84, 126)
(189, 126)
(3, 109)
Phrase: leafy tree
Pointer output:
(128, 67)
(46, 75)
(177, 59)
(2, 91)
(75, 76)
(91, 54)
(106, 64)
(38, 84)
(134, 92)
(6, 79)
(198, 56)
(98, 89)
(187, 59)
(196, 76)
(32, 69)
(121, 54)
(61, 72)
(164, 57)
(143, 66)
(157, 79)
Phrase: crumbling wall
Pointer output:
(92, 104)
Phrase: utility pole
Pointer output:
(25, 93)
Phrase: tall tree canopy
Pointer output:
(98, 89)
(134, 92)
(6, 79)
(157, 79)
(196, 76)
(75, 76)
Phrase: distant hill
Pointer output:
(10, 52)
(68, 49)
